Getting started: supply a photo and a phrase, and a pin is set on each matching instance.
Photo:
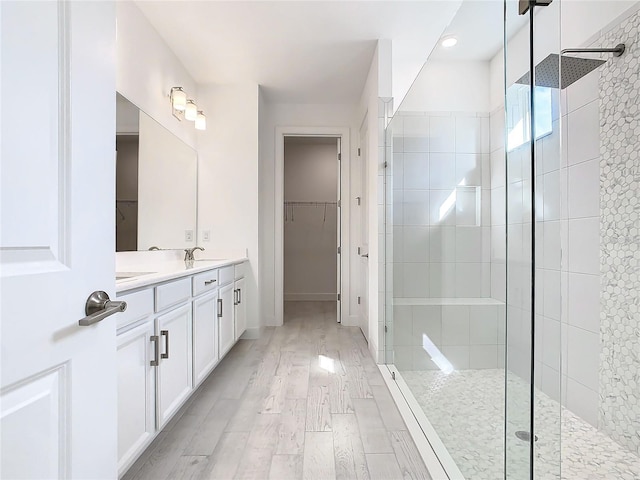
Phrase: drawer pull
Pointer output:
(219, 308)
(156, 348)
(239, 296)
(209, 282)
(165, 333)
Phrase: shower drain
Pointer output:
(525, 436)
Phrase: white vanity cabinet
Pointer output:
(169, 339)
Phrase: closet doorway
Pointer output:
(312, 216)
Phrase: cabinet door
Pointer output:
(225, 317)
(174, 372)
(205, 336)
(241, 308)
(136, 393)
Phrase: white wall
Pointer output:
(310, 232)
(449, 86)
(290, 115)
(147, 69)
(228, 180)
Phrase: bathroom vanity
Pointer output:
(181, 320)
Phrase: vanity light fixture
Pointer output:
(201, 121)
(448, 42)
(187, 108)
(191, 111)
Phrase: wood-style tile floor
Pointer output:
(305, 401)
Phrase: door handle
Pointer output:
(165, 333)
(156, 348)
(219, 308)
(365, 255)
(239, 296)
(98, 307)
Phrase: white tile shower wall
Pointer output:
(619, 373)
(439, 337)
(441, 205)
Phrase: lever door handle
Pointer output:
(98, 307)
(365, 255)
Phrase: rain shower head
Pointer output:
(573, 69)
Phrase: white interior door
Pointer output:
(58, 390)
(364, 232)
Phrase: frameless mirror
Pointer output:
(156, 184)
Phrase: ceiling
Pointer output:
(299, 51)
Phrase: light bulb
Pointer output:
(201, 121)
(178, 99)
(191, 110)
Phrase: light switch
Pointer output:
(188, 235)
(206, 235)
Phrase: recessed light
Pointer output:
(448, 42)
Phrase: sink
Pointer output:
(125, 275)
(210, 259)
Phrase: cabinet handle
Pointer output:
(239, 296)
(219, 308)
(165, 333)
(235, 297)
(209, 282)
(156, 349)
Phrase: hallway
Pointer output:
(304, 401)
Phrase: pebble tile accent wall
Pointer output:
(619, 414)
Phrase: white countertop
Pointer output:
(153, 272)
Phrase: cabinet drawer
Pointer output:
(204, 282)
(241, 270)
(172, 293)
(139, 305)
(226, 275)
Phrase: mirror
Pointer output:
(156, 184)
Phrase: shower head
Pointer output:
(572, 68)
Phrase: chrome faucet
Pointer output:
(188, 253)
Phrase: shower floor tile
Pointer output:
(466, 408)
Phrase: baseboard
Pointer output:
(252, 333)
(310, 297)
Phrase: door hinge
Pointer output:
(385, 164)
(339, 156)
(339, 250)
(338, 297)
(385, 329)
(358, 300)
(339, 203)
(358, 152)
(393, 375)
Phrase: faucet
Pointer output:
(154, 248)
(188, 253)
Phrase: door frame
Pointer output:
(281, 133)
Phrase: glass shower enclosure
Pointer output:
(511, 266)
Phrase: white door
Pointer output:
(136, 393)
(174, 378)
(364, 232)
(226, 328)
(240, 308)
(58, 392)
(205, 336)
(339, 233)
